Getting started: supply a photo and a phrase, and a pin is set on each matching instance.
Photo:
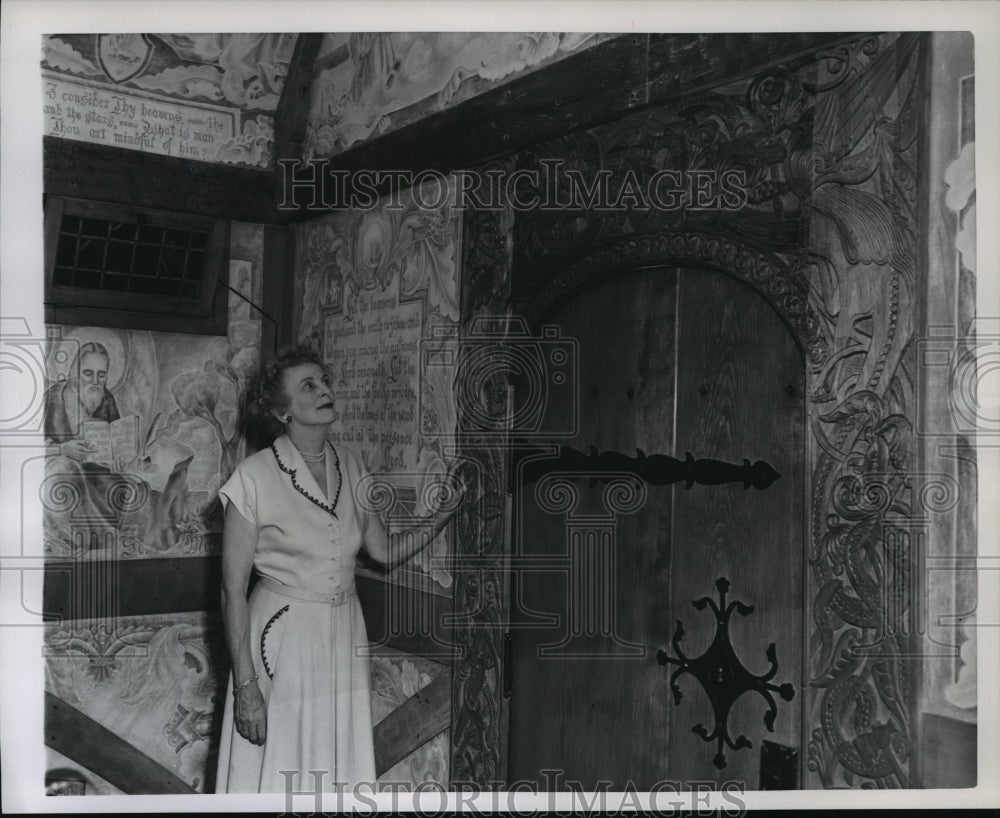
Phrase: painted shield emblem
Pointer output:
(123, 56)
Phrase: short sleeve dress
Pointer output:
(306, 627)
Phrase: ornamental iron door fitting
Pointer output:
(722, 675)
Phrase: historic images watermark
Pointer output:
(556, 795)
(552, 186)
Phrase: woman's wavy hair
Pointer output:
(265, 394)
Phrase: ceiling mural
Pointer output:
(210, 97)
(370, 83)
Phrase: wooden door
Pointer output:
(670, 361)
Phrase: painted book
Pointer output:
(114, 443)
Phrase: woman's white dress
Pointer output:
(308, 654)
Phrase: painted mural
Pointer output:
(209, 97)
(154, 681)
(396, 676)
(157, 683)
(377, 292)
(142, 429)
(950, 685)
(373, 82)
(961, 690)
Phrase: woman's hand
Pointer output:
(249, 714)
(446, 498)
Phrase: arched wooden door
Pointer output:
(670, 361)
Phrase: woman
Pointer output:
(299, 694)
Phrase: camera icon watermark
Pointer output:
(555, 793)
(958, 383)
(508, 381)
(24, 359)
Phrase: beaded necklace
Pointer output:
(309, 457)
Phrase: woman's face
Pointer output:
(310, 395)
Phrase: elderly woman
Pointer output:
(299, 694)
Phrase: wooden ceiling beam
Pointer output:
(595, 86)
(293, 106)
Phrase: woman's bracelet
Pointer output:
(244, 684)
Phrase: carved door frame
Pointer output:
(863, 553)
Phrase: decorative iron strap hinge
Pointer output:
(656, 469)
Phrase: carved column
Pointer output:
(479, 711)
(858, 183)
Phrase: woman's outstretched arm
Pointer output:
(398, 546)
(239, 540)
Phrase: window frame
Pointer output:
(67, 304)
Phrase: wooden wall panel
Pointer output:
(119, 176)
